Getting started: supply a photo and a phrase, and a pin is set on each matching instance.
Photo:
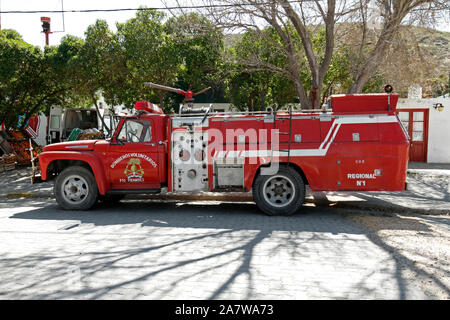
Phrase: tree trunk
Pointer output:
(376, 57)
(359, 82)
(301, 94)
(318, 71)
(314, 97)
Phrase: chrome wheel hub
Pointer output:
(75, 189)
(279, 191)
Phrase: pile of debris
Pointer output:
(7, 162)
(16, 148)
(21, 146)
(87, 134)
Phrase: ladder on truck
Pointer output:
(275, 118)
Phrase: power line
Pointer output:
(212, 6)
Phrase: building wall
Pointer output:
(438, 126)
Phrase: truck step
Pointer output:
(133, 191)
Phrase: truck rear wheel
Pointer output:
(279, 194)
(76, 189)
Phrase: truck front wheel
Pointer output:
(76, 189)
(279, 194)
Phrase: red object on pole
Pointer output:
(46, 28)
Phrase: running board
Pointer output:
(133, 191)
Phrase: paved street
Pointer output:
(201, 250)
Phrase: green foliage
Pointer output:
(255, 91)
(10, 34)
(199, 48)
(264, 66)
(251, 83)
(89, 60)
(183, 51)
(261, 68)
(375, 83)
(149, 53)
(31, 80)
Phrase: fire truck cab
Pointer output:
(357, 143)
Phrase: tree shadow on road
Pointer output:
(424, 195)
(414, 244)
(221, 243)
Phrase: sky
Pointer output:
(29, 25)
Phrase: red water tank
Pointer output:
(364, 102)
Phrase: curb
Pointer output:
(349, 205)
(429, 173)
(26, 195)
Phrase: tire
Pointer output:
(279, 194)
(76, 189)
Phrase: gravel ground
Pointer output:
(419, 244)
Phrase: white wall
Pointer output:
(438, 127)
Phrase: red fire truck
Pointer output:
(356, 143)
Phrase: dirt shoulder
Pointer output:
(419, 244)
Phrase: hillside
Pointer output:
(422, 56)
(417, 55)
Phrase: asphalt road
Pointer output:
(212, 250)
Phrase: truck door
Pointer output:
(133, 156)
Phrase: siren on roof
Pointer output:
(145, 106)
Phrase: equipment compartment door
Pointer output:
(361, 173)
(133, 158)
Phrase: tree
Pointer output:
(200, 47)
(93, 64)
(248, 77)
(391, 14)
(151, 55)
(146, 48)
(180, 51)
(305, 18)
(308, 19)
(249, 84)
(31, 80)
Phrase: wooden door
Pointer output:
(415, 122)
